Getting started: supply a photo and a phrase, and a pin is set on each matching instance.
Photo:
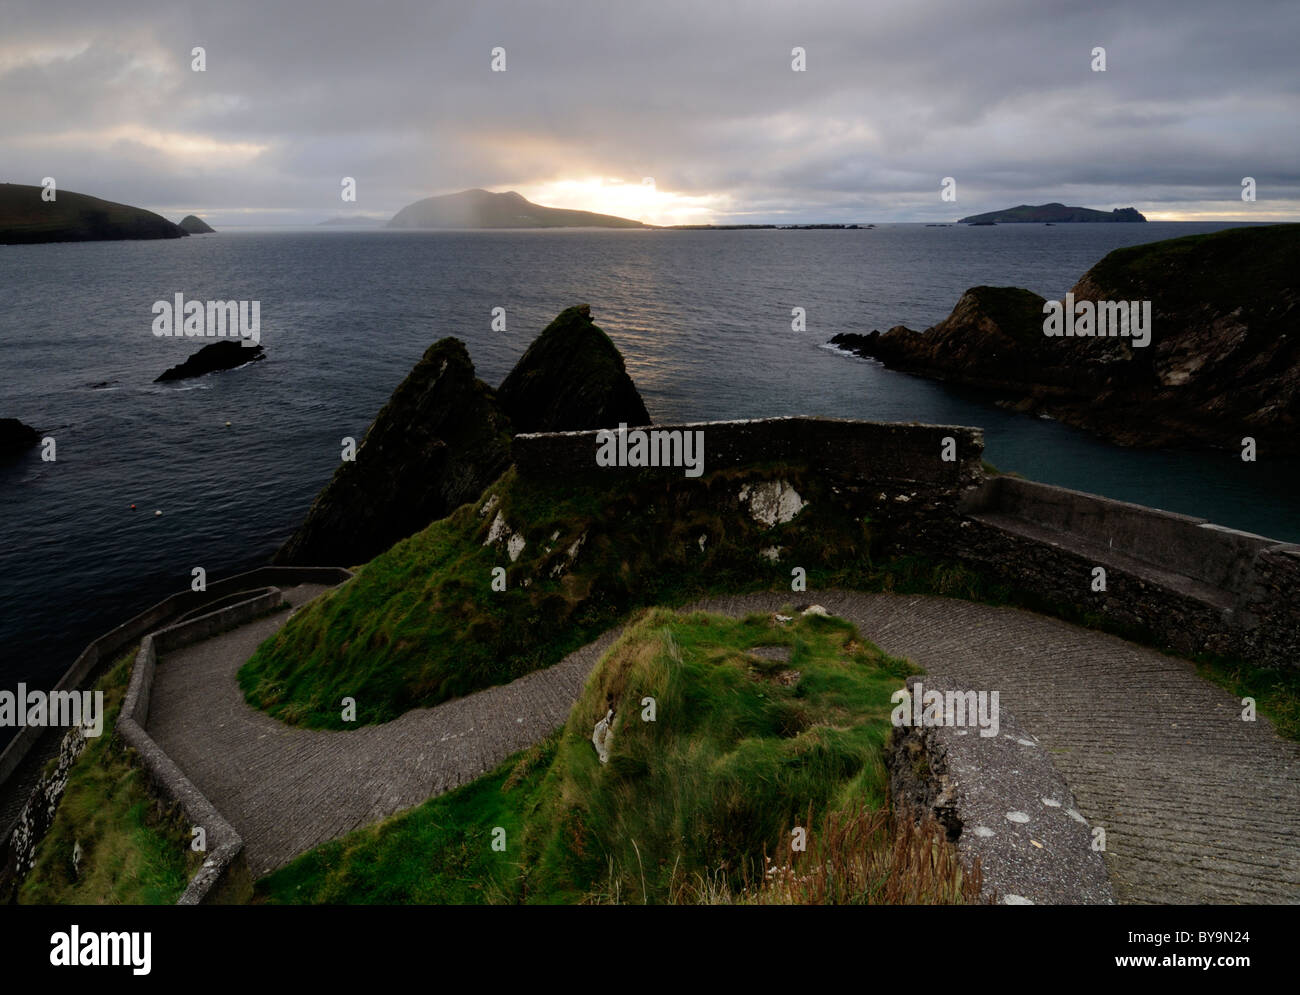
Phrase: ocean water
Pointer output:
(702, 319)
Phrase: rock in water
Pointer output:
(15, 438)
(217, 356)
(571, 378)
(435, 445)
(196, 226)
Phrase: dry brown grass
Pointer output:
(854, 858)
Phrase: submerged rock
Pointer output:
(218, 356)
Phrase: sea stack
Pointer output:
(445, 435)
(196, 226)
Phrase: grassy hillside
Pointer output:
(694, 806)
(73, 217)
(421, 623)
(130, 848)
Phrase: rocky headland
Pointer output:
(444, 435)
(25, 218)
(1223, 362)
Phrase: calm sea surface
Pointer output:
(702, 318)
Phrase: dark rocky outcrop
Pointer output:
(15, 438)
(1053, 213)
(196, 226)
(444, 435)
(1223, 362)
(73, 217)
(218, 356)
(571, 377)
(439, 440)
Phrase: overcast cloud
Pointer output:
(698, 95)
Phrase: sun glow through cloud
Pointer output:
(640, 201)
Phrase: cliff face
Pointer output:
(445, 435)
(1223, 361)
(73, 217)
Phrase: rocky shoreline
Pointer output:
(1223, 363)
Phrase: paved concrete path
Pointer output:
(1197, 805)
(286, 790)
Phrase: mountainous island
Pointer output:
(193, 225)
(26, 219)
(1223, 360)
(483, 209)
(1051, 213)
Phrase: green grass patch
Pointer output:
(134, 848)
(694, 806)
(1276, 692)
(421, 623)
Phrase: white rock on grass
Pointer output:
(497, 531)
(772, 502)
(514, 546)
(603, 735)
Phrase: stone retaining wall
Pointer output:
(856, 451)
(107, 646)
(1181, 581)
(224, 844)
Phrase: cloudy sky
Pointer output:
(665, 111)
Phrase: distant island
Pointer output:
(26, 219)
(483, 209)
(194, 225)
(1050, 214)
(372, 222)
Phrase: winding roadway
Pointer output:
(1198, 805)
